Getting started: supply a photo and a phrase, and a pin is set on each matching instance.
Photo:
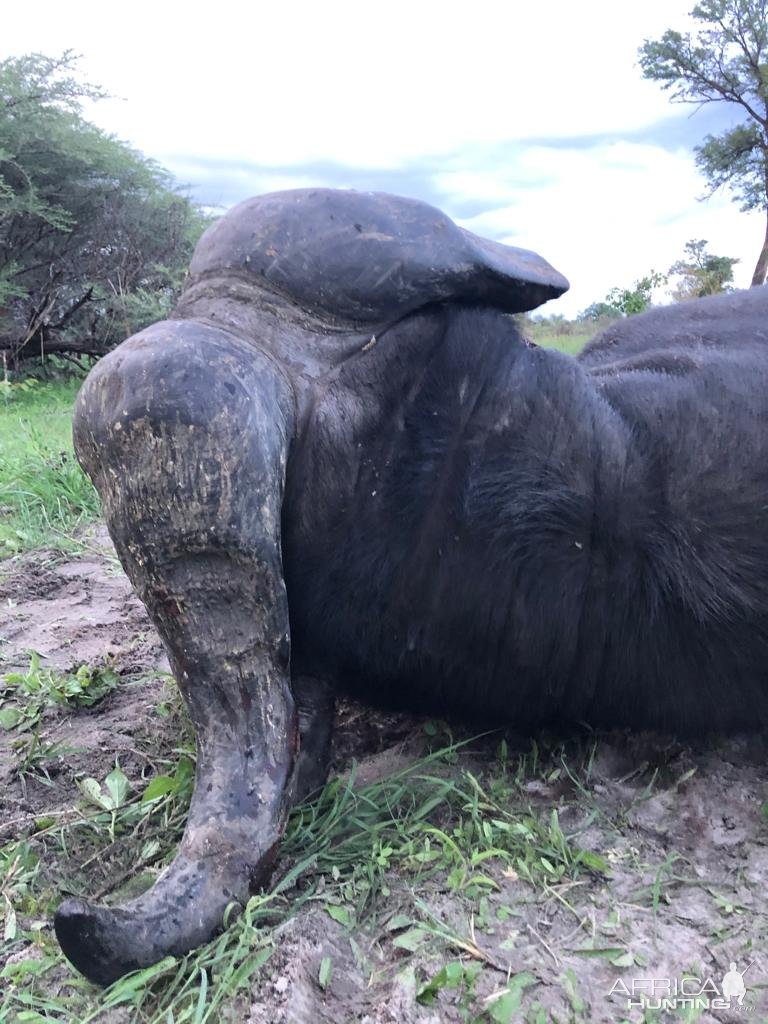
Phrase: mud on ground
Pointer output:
(684, 831)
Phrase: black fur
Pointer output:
(337, 468)
(482, 528)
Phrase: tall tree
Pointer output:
(94, 238)
(701, 273)
(724, 61)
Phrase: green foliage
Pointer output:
(598, 311)
(39, 688)
(724, 60)
(433, 823)
(701, 273)
(737, 159)
(629, 301)
(453, 975)
(15, 389)
(44, 495)
(94, 238)
(110, 796)
(18, 870)
(24, 698)
(625, 301)
(325, 972)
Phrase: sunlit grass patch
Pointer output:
(570, 343)
(44, 495)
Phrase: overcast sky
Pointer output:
(526, 122)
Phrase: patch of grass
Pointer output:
(44, 495)
(18, 870)
(432, 824)
(570, 343)
(24, 696)
(431, 872)
(566, 335)
(34, 754)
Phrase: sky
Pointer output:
(529, 123)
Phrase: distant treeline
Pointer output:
(697, 274)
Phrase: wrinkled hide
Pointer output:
(341, 468)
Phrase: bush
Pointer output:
(95, 239)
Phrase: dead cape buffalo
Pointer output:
(340, 468)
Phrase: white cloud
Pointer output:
(370, 85)
(434, 89)
(607, 215)
(243, 180)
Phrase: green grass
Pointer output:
(570, 343)
(24, 699)
(415, 864)
(434, 825)
(44, 495)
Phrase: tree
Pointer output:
(724, 61)
(94, 237)
(598, 311)
(701, 273)
(627, 301)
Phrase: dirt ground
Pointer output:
(684, 829)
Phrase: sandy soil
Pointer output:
(685, 830)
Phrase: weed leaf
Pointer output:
(118, 786)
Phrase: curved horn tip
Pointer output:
(87, 936)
